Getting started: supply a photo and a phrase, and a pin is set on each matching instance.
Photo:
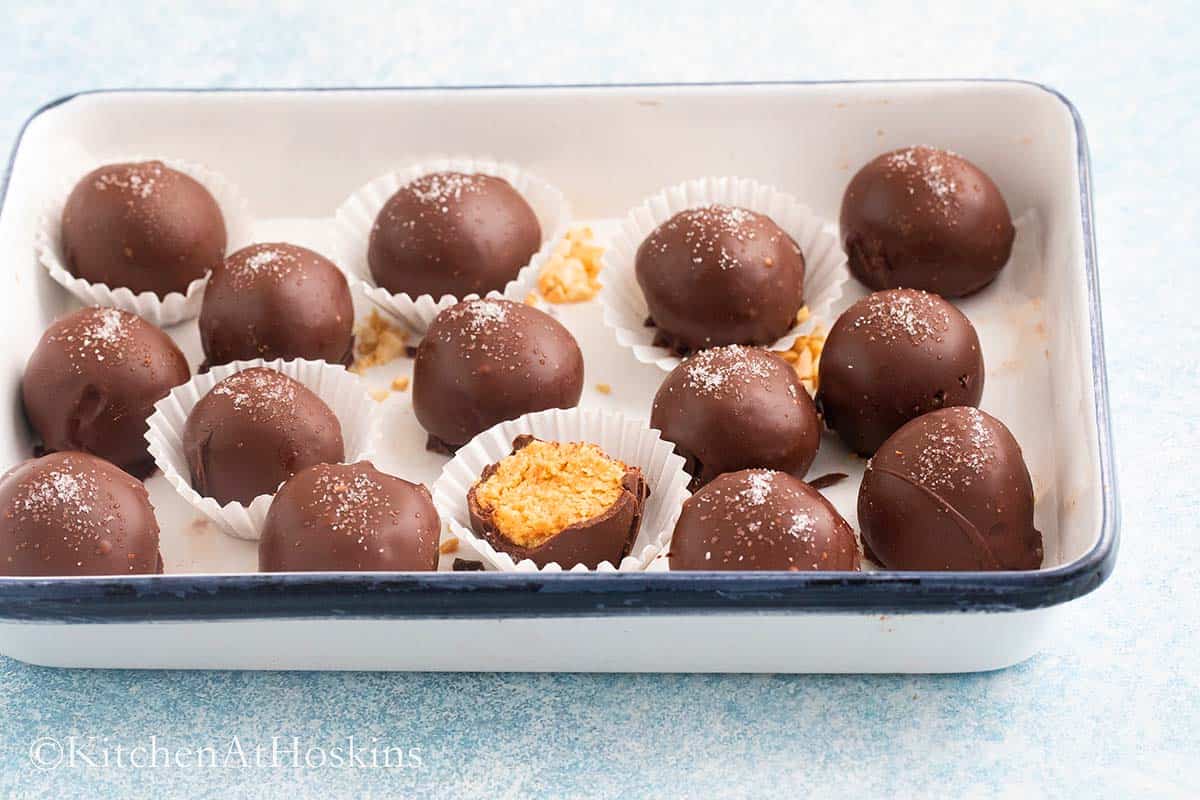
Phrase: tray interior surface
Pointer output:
(297, 155)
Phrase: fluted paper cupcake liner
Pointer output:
(176, 306)
(625, 310)
(344, 393)
(624, 439)
(356, 216)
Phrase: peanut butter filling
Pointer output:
(545, 487)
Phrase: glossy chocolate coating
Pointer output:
(732, 408)
(949, 491)
(452, 233)
(349, 518)
(608, 536)
(485, 361)
(92, 382)
(759, 519)
(893, 356)
(253, 431)
(143, 226)
(273, 301)
(74, 514)
(922, 218)
(720, 275)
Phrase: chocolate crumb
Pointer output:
(827, 480)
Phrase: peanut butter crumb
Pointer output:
(545, 487)
(571, 274)
(603, 388)
(805, 354)
(400, 384)
(379, 395)
(377, 342)
(531, 299)
(449, 546)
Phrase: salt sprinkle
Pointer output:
(710, 371)
(439, 188)
(947, 460)
(911, 313)
(258, 388)
(759, 489)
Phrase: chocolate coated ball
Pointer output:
(450, 233)
(893, 356)
(349, 518)
(922, 218)
(74, 514)
(274, 301)
(718, 275)
(143, 226)
(486, 361)
(253, 431)
(730, 408)
(759, 519)
(950, 491)
(92, 382)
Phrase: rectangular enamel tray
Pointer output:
(297, 154)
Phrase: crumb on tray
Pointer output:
(571, 274)
(805, 354)
(377, 342)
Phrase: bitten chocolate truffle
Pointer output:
(949, 490)
(253, 431)
(92, 382)
(568, 503)
(75, 514)
(893, 356)
(720, 275)
(452, 233)
(485, 361)
(143, 226)
(273, 301)
(922, 218)
(349, 518)
(759, 519)
(731, 408)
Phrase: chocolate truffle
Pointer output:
(75, 514)
(143, 226)
(949, 490)
(349, 518)
(485, 361)
(736, 407)
(893, 356)
(273, 301)
(759, 519)
(922, 218)
(92, 383)
(567, 503)
(452, 233)
(720, 275)
(253, 431)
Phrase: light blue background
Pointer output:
(1112, 709)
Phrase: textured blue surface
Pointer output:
(1112, 709)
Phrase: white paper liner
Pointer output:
(624, 439)
(356, 216)
(344, 393)
(625, 310)
(176, 306)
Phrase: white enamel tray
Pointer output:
(296, 155)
